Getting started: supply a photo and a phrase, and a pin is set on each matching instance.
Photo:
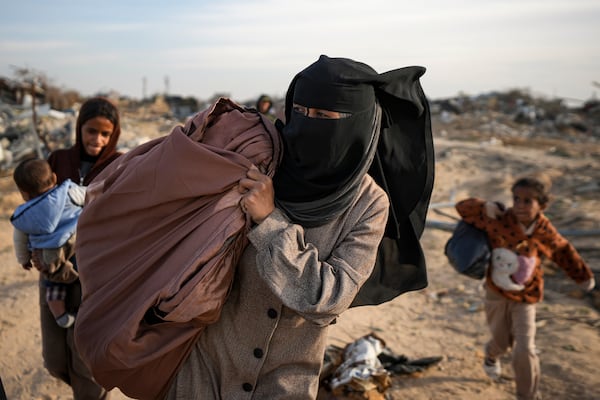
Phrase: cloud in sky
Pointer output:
(245, 48)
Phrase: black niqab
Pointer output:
(325, 159)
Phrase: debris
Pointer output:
(360, 370)
(363, 369)
(569, 347)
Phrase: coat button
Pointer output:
(258, 353)
(272, 313)
(247, 387)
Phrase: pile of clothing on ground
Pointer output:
(363, 369)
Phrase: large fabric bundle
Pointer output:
(158, 241)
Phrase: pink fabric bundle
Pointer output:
(157, 245)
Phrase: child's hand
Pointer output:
(587, 285)
(493, 209)
(27, 265)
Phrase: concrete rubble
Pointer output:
(493, 117)
(516, 114)
(21, 137)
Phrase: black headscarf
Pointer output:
(325, 160)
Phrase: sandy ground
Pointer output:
(445, 319)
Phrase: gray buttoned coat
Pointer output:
(290, 284)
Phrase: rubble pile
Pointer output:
(513, 117)
(24, 134)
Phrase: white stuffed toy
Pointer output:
(505, 263)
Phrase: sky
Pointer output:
(246, 48)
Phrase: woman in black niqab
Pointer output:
(385, 131)
(318, 228)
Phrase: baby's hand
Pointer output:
(493, 209)
(37, 259)
(587, 285)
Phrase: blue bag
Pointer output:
(468, 250)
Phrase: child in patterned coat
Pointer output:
(526, 231)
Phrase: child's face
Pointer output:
(526, 205)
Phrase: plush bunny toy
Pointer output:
(509, 270)
(505, 263)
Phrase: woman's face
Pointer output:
(95, 135)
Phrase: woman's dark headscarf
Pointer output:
(387, 134)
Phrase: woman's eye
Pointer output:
(326, 114)
(300, 109)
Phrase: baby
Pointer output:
(44, 231)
